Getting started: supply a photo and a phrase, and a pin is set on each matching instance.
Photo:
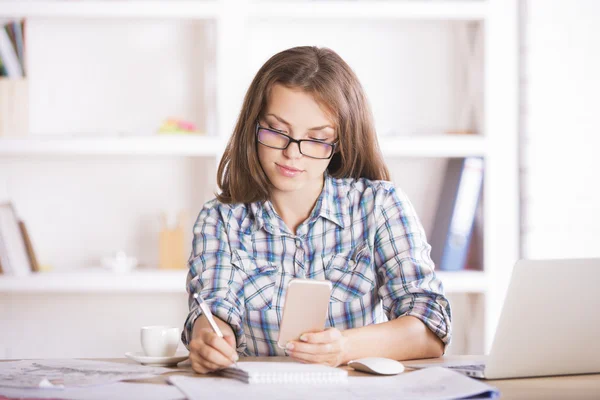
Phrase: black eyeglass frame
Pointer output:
(292, 140)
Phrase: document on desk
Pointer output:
(61, 373)
(427, 384)
(112, 391)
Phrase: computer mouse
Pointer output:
(377, 365)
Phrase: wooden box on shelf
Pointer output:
(14, 115)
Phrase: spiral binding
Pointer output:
(295, 377)
(298, 378)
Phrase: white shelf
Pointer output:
(156, 281)
(167, 144)
(428, 10)
(87, 281)
(189, 145)
(189, 9)
(434, 146)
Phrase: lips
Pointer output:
(292, 169)
(287, 171)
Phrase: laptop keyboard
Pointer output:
(474, 367)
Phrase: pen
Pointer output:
(206, 310)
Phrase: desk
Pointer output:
(560, 387)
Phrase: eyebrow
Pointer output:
(316, 128)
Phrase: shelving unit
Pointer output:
(365, 9)
(214, 48)
(178, 9)
(190, 9)
(96, 280)
(174, 145)
(196, 145)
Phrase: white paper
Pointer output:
(112, 391)
(431, 383)
(59, 373)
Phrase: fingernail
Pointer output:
(289, 346)
(235, 357)
(303, 338)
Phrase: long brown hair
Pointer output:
(324, 74)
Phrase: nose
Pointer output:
(292, 151)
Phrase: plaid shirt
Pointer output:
(362, 235)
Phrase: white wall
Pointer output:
(560, 129)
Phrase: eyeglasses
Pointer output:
(308, 147)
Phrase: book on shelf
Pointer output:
(2, 69)
(17, 27)
(9, 50)
(35, 267)
(457, 207)
(16, 252)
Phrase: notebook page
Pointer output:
(285, 372)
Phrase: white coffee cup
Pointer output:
(159, 340)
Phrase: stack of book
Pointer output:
(12, 49)
(17, 257)
(13, 84)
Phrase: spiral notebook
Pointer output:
(285, 372)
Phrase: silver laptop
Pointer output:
(549, 325)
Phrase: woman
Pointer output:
(305, 193)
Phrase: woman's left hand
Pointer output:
(327, 347)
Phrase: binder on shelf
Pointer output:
(457, 207)
(475, 256)
(13, 251)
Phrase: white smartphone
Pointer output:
(305, 309)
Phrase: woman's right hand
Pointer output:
(209, 352)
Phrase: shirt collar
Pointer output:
(265, 217)
(332, 205)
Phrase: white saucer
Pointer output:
(156, 361)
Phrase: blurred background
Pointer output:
(114, 115)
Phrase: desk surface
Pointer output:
(558, 387)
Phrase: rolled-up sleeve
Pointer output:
(409, 284)
(212, 275)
